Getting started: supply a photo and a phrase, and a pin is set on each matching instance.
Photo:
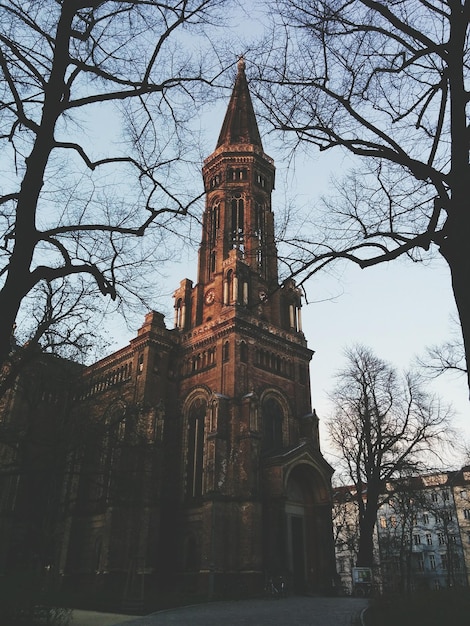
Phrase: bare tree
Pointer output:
(74, 192)
(384, 426)
(387, 82)
(60, 318)
(345, 532)
(448, 357)
(404, 503)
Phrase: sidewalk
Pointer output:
(93, 618)
(295, 611)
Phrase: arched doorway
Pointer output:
(308, 537)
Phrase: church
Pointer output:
(193, 456)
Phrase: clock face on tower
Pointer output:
(210, 296)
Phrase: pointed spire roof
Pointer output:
(240, 126)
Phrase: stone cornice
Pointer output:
(264, 333)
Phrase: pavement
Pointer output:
(294, 610)
(94, 618)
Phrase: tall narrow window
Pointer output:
(197, 415)
(180, 314)
(228, 287)
(214, 224)
(238, 216)
(272, 416)
(259, 233)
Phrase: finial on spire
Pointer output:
(241, 63)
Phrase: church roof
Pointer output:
(240, 126)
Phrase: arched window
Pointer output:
(272, 418)
(197, 414)
(259, 233)
(226, 351)
(246, 292)
(243, 352)
(238, 217)
(180, 313)
(214, 224)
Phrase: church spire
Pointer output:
(237, 266)
(240, 126)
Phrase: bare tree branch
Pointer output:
(72, 193)
(387, 82)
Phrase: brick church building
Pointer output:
(191, 457)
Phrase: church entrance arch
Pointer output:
(307, 510)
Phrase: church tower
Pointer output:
(255, 489)
(191, 457)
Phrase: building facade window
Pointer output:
(214, 224)
(180, 314)
(272, 417)
(228, 287)
(238, 220)
(195, 448)
(420, 562)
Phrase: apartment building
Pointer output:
(422, 535)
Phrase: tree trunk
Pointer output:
(457, 256)
(365, 555)
(18, 280)
(455, 244)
